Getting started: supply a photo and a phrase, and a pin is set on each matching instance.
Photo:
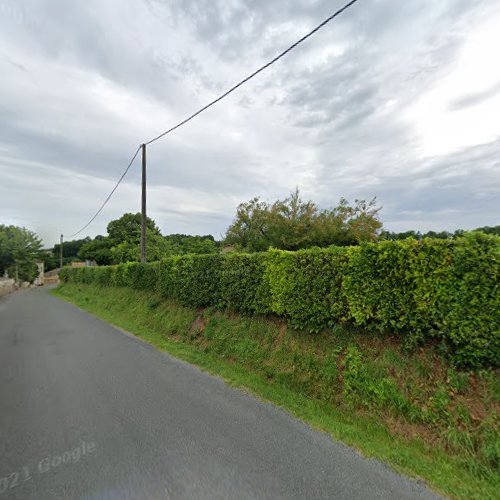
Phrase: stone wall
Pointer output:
(7, 285)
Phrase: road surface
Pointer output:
(89, 412)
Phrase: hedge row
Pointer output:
(446, 290)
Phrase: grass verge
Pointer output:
(412, 411)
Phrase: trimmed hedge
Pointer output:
(193, 280)
(440, 290)
(306, 286)
(242, 284)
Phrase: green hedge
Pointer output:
(242, 284)
(193, 280)
(306, 286)
(445, 291)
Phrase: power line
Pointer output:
(255, 73)
(210, 104)
(109, 195)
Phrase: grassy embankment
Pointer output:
(411, 410)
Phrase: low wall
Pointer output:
(51, 280)
(7, 286)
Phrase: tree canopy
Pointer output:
(123, 242)
(19, 248)
(70, 248)
(128, 228)
(98, 250)
(288, 224)
(292, 224)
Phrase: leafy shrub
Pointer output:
(66, 276)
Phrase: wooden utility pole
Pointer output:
(143, 206)
(61, 253)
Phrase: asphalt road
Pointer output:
(87, 411)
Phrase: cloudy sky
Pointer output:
(394, 99)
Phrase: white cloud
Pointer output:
(444, 127)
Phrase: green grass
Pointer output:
(412, 411)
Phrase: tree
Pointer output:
(292, 223)
(49, 260)
(362, 221)
(180, 244)
(125, 238)
(128, 228)
(70, 248)
(99, 250)
(490, 230)
(250, 229)
(20, 248)
(123, 243)
(128, 251)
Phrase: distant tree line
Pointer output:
(288, 224)
(51, 259)
(70, 248)
(441, 235)
(122, 243)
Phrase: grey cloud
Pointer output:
(332, 124)
(16, 64)
(237, 29)
(474, 98)
(449, 192)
